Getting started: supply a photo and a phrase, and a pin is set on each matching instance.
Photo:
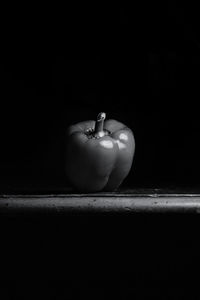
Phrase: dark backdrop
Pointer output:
(139, 64)
(61, 65)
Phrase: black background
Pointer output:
(139, 64)
(61, 65)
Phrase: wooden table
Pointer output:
(141, 237)
(124, 201)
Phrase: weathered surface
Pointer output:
(144, 201)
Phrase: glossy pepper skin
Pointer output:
(99, 154)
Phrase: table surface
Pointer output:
(137, 200)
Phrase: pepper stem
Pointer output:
(99, 122)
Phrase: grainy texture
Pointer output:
(129, 201)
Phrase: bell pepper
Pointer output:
(99, 154)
